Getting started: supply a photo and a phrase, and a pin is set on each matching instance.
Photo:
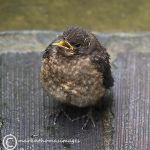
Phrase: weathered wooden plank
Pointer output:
(132, 101)
(25, 107)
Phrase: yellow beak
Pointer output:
(64, 44)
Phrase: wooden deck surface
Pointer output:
(25, 107)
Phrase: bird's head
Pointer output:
(73, 41)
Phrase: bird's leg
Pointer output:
(74, 119)
(56, 114)
(89, 117)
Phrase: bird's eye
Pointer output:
(78, 45)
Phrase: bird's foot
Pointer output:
(57, 113)
(89, 117)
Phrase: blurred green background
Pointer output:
(96, 15)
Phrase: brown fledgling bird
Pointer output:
(76, 70)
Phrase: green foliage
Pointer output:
(98, 15)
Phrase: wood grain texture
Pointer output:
(25, 107)
(132, 101)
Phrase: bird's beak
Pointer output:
(64, 44)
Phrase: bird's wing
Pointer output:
(101, 59)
